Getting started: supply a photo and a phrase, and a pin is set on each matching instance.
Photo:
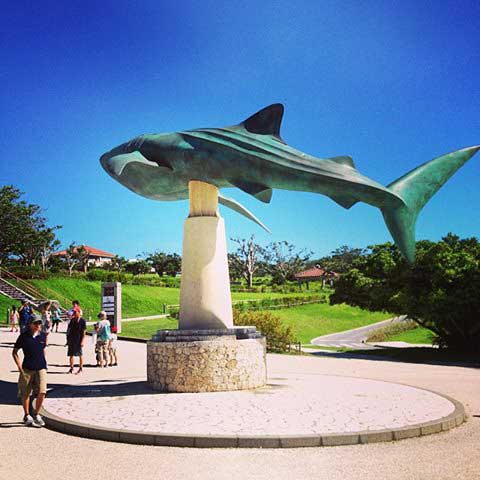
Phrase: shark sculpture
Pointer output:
(253, 157)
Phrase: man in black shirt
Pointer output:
(33, 369)
(76, 339)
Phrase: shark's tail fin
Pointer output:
(416, 188)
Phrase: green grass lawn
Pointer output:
(310, 321)
(137, 300)
(417, 335)
(6, 303)
(146, 328)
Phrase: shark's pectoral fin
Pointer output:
(343, 201)
(239, 208)
(260, 192)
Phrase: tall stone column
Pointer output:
(205, 299)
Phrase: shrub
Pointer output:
(279, 337)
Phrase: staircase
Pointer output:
(14, 292)
(27, 292)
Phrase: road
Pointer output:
(354, 338)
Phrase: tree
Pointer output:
(49, 246)
(283, 261)
(138, 267)
(117, 264)
(24, 232)
(244, 261)
(71, 258)
(169, 263)
(440, 291)
(82, 255)
(340, 260)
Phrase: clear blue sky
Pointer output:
(391, 83)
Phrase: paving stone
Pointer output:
(295, 410)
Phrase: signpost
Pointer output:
(112, 303)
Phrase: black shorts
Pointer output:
(74, 351)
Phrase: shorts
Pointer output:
(101, 347)
(32, 381)
(74, 351)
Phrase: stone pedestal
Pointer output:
(206, 360)
(205, 299)
(207, 353)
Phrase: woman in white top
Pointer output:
(46, 318)
(14, 316)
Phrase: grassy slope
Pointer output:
(5, 303)
(310, 321)
(137, 300)
(417, 335)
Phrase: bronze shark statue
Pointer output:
(253, 157)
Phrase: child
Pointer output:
(14, 315)
(112, 347)
(56, 318)
(94, 341)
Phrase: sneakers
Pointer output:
(35, 421)
(28, 420)
(38, 421)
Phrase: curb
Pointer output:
(454, 419)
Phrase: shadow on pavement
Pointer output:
(8, 392)
(427, 356)
(102, 388)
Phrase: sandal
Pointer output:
(80, 370)
(70, 370)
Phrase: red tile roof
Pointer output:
(315, 272)
(94, 252)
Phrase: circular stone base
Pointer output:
(291, 411)
(206, 362)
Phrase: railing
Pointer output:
(20, 284)
(45, 292)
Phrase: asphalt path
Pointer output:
(356, 337)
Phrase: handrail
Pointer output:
(37, 294)
(24, 285)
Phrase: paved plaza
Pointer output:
(300, 381)
(290, 406)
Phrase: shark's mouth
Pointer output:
(115, 165)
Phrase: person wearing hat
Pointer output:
(25, 312)
(33, 369)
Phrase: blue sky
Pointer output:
(393, 84)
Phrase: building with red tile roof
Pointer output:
(96, 257)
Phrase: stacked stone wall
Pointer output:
(222, 364)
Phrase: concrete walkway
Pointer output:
(445, 456)
(356, 337)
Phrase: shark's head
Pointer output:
(146, 164)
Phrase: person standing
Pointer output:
(76, 340)
(103, 339)
(46, 318)
(33, 370)
(14, 316)
(56, 317)
(25, 312)
(112, 347)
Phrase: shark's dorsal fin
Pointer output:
(266, 122)
(343, 160)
